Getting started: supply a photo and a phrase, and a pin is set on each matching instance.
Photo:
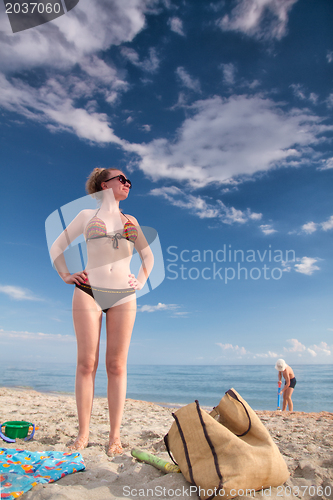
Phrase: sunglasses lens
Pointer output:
(123, 180)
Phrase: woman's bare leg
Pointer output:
(87, 318)
(119, 325)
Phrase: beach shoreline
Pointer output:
(304, 439)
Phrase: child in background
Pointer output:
(290, 382)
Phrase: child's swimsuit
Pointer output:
(96, 228)
(292, 383)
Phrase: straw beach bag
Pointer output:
(226, 453)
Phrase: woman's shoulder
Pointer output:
(84, 216)
(87, 213)
(132, 219)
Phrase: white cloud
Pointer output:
(18, 293)
(131, 55)
(93, 126)
(313, 353)
(262, 19)
(296, 349)
(24, 335)
(314, 350)
(194, 204)
(286, 268)
(66, 41)
(232, 215)
(296, 346)
(181, 101)
(176, 25)
(197, 205)
(309, 227)
(187, 80)
(222, 139)
(306, 266)
(268, 354)
(225, 346)
(227, 139)
(255, 216)
(267, 229)
(298, 91)
(329, 101)
(241, 351)
(158, 307)
(313, 98)
(102, 72)
(146, 128)
(327, 164)
(72, 40)
(150, 64)
(216, 6)
(49, 105)
(329, 56)
(229, 71)
(327, 225)
(322, 348)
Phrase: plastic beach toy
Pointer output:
(17, 429)
(157, 462)
(279, 396)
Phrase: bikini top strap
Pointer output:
(125, 216)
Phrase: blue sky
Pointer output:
(220, 112)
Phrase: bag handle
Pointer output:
(166, 442)
(187, 456)
(234, 396)
(216, 461)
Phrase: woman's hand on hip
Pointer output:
(76, 278)
(134, 283)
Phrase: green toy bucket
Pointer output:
(17, 429)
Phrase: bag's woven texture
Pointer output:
(229, 449)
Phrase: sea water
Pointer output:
(178, 385)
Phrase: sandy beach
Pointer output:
(304, 439)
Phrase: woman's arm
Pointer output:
(147, 259)
(73, 230)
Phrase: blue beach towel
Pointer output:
(20, 470)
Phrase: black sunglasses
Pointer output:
(122, 179)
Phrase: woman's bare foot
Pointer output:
(115, 448)
(80, 443)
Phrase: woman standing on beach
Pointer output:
(106, 285)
